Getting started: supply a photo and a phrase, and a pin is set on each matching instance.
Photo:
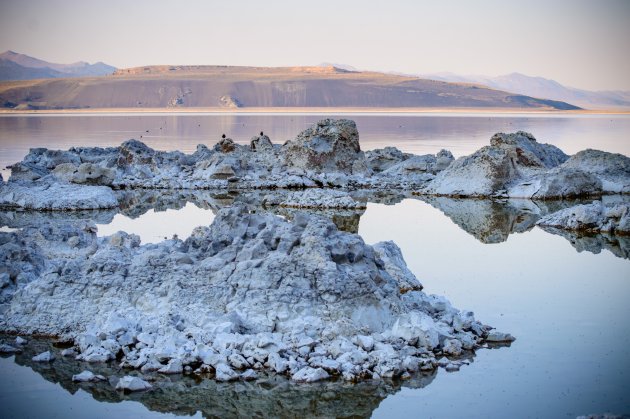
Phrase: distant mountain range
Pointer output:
(15, 66)
(257, 87)
(542, 88)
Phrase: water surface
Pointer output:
(564, 296)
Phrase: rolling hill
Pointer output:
(235, 87)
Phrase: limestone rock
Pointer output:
(592, 218)
(329, 146)
(44, 357)
(130, 383)
(55, 196)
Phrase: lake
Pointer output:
(564, 296)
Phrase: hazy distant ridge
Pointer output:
(231, 87)
(15, 66)
(543, 88)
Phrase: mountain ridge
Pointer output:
(178, 86)
(16, 66)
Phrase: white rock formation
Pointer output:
(251, 291)
(130, 383)
(314, 198)
(595, 217)
(51, 195)
(44, 357)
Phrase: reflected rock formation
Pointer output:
(270, 396)
(594, 243)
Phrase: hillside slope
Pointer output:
(222, 86)
(15, 66)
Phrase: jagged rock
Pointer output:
(225, 373)
(173, 367)
(314, 198)
(225, 145)
(49, 195)
(560, 182)
(8, 349)
(591, 218)
(492, 169)
(44, 357)
(260, 143)
(613, 170)
(384, 158)
(310, 375)
(258, 291)
(328, 155)
(129, 383)
(329, 146)
(20, 341)
(87, 376)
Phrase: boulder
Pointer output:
(492, 169)
(260, 143)
(44, 357)
(329, 146)
(129, 383)
(595, 217)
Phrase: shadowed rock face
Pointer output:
(251, 291)
(270, 396)
(493, 168)
(596, 217)
(329, 146)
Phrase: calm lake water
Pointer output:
(565, 298)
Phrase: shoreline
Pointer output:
(311, 111)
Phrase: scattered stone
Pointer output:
(8, 349)
(494, 336)
(44, 357)
(130, 383)
(310, 375)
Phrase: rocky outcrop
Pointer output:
(49, 195)
(271, 395)
(314, 198)
(252, 291)
(492, 169)
(325, 156)
(328, 146)
(517, 166)
(595, 217)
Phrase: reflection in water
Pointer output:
(594, 243)
(144, 212)
(270, 396)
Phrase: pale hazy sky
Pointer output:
(580, 43)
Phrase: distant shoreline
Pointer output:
(312, 111)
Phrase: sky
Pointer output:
(580, 43)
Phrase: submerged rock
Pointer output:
(87, 376)
(44, 357)
(129, 383)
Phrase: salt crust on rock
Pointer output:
(595, 217)
(326, 155)
(251, 291)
